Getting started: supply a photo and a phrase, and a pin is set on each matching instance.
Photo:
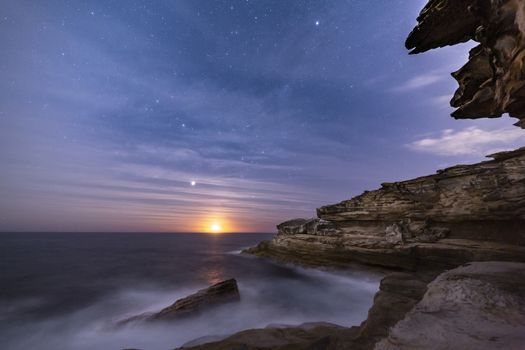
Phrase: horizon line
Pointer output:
(153, 232)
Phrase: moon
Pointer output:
(215, 228)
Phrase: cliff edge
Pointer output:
(460, 214)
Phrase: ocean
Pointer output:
(67, 290)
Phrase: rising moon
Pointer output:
(215, 228)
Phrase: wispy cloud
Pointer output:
(469, 141)
(418, 82)
(442, 101)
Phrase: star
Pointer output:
(193, 183)
(317, 23)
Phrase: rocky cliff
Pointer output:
(492, 82)
(463, 213)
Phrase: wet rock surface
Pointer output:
(218, 294)
(492, 82)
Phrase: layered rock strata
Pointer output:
(492, 82)
(461, 214)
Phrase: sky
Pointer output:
(188, 116)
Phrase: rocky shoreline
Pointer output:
(428, 228)
(477, 306)
(458, 235)
(398, 293)
(461, 214)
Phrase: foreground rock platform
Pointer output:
(461, 214)
(474, 307)
(398, 293)
(477, 306)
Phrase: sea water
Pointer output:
(67, 290)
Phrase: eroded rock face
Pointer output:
(478, 306)
(215, 295)
(492, 82)
(463, 213)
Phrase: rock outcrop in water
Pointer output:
(461, 214)
(218, 294)
(205, 299)
(492, 82)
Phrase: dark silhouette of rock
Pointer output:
(492, 82)
(205, 299)
(218, 294)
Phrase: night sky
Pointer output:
(110, 109)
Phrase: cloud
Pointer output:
(442, 101)
(470, 141)
(418, 82)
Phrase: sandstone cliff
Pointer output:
(492, 82)
(461, 214)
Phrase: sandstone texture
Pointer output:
(461, 214)
(492, 82)
(474, 307)
(205, 299)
